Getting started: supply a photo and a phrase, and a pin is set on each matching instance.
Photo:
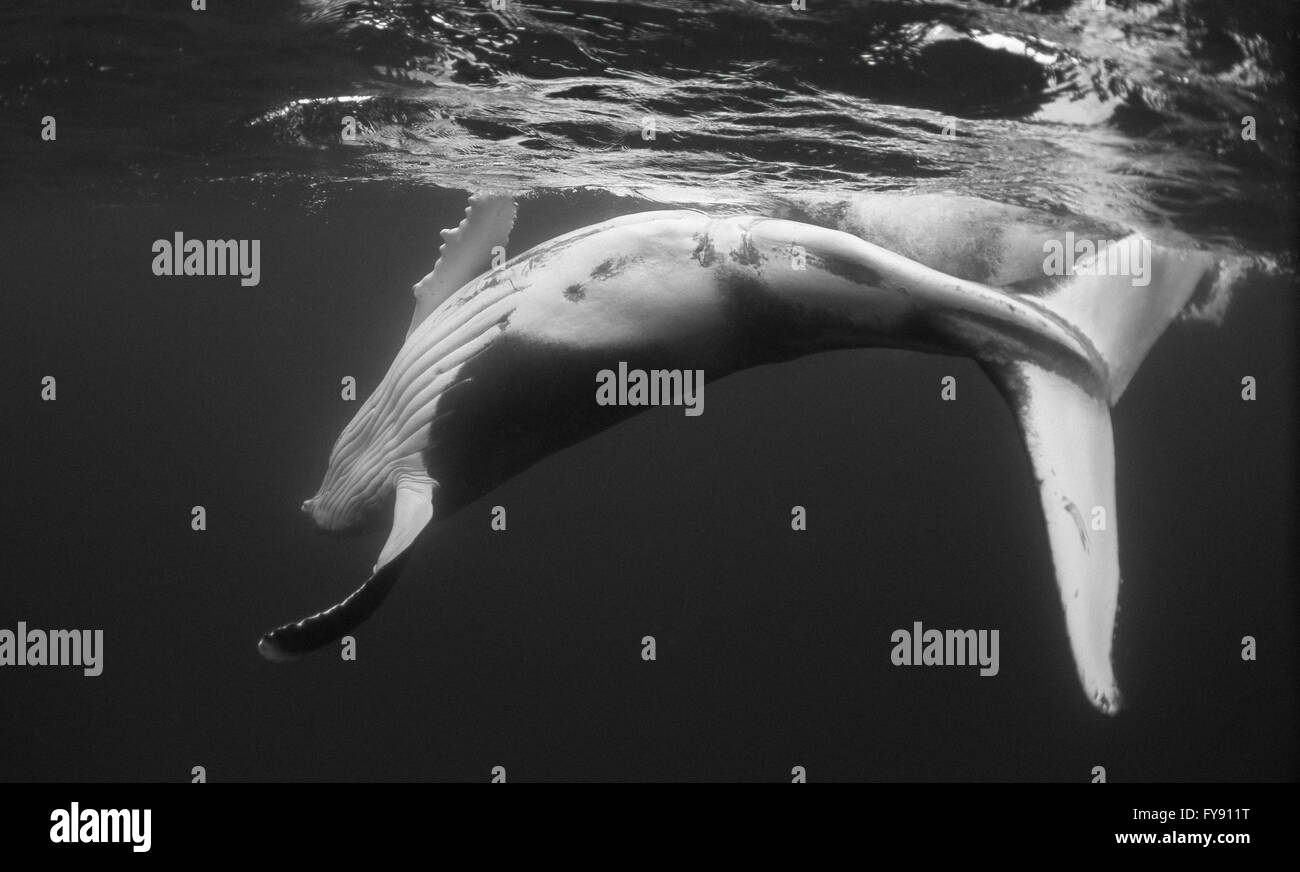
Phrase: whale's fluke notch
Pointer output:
(466, 252)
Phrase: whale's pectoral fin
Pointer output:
(412, 511)
(302, 637)
(467, 252)
(1067, 432)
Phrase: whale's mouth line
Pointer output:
(329, 526)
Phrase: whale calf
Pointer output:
(499, 370)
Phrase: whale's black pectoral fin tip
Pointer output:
(412, 511)
(293, 640)
(1067, 432)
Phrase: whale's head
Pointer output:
(357, 484)
(343, 509)
(339, 518)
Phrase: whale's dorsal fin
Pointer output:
(466, 252)
(412, 511)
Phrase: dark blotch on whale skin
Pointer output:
(704, 252)
(1073, 511)
(604, 271)
(748, 253)
(607, 269)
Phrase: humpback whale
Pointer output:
(499, 367)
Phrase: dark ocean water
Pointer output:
(522, 649)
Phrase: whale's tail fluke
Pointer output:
(1066, 429)
(1124, 297)
(1067, 433)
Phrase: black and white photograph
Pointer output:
(628, 391)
